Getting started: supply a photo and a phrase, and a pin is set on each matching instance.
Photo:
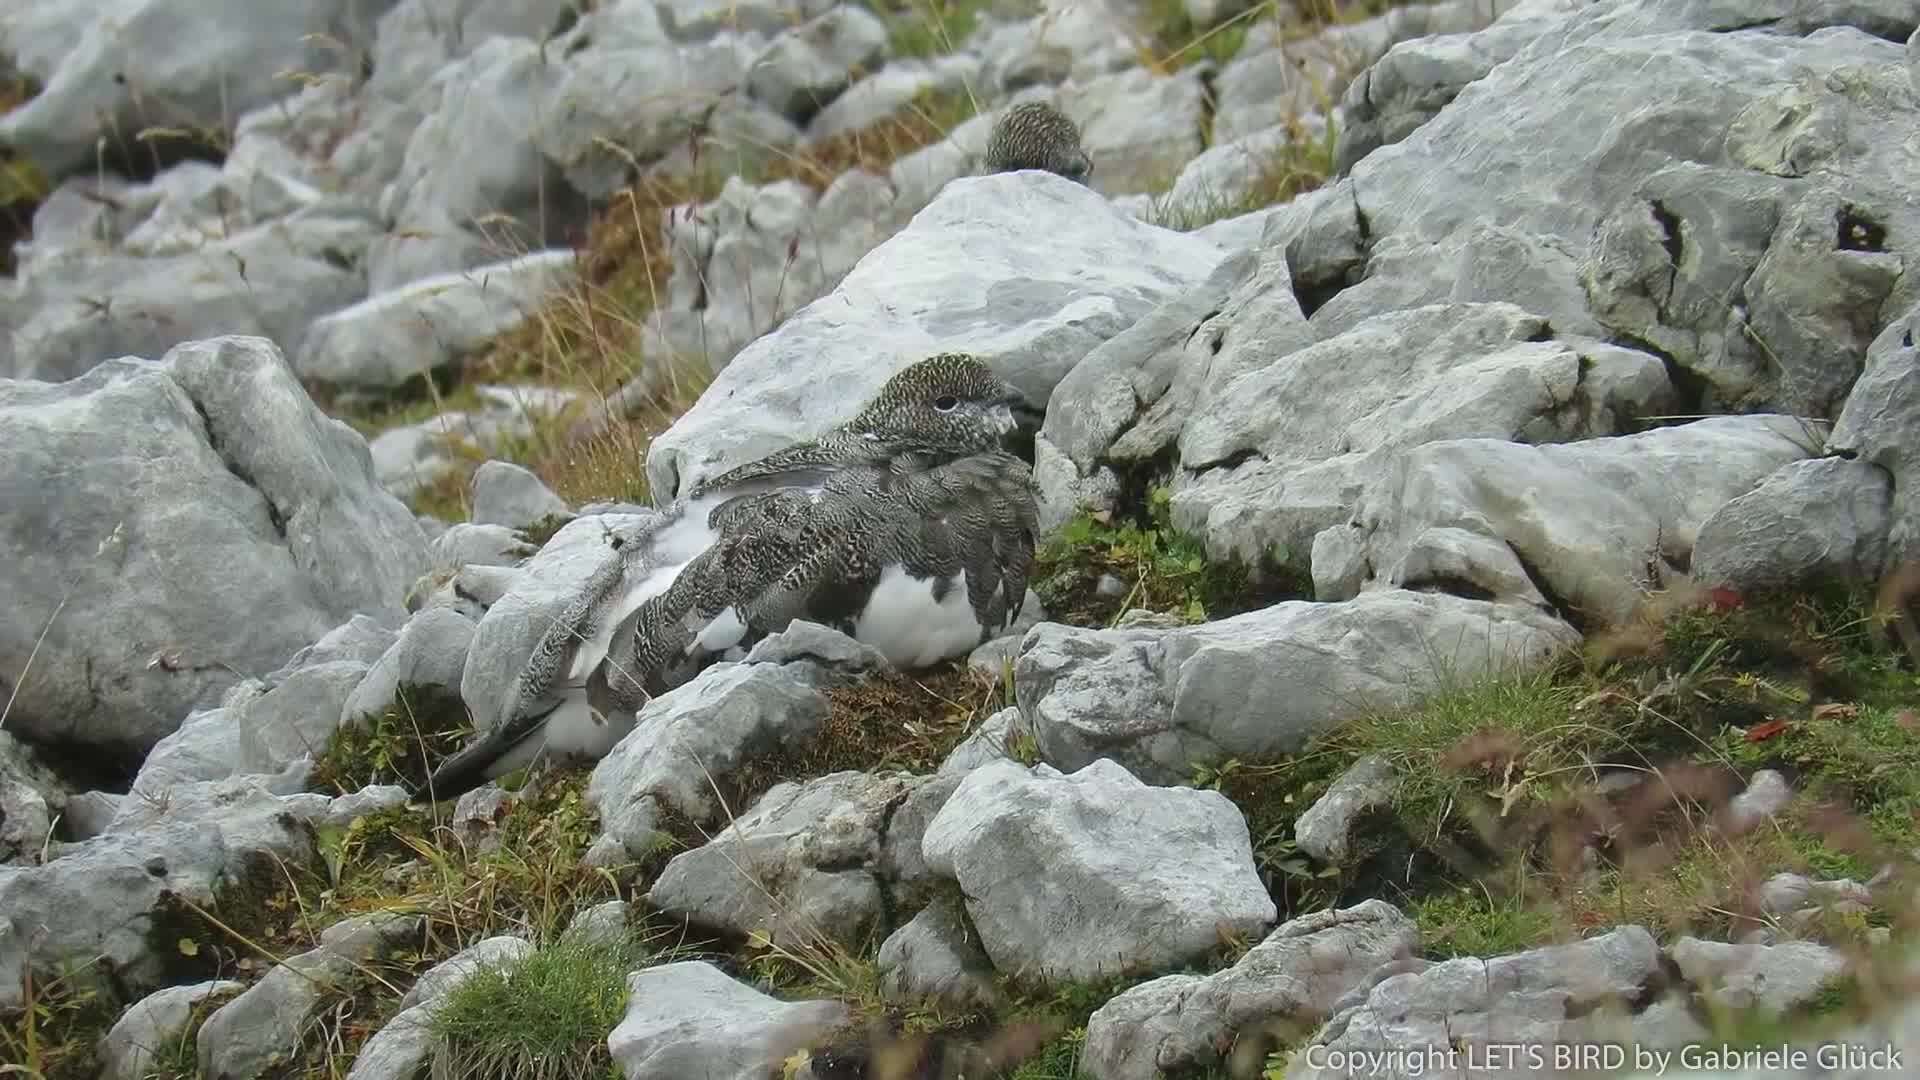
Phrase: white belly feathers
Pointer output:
(910, 627)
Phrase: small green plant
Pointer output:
(546, 1017)
(400, 745)
(1157, 568)
(54, 1034)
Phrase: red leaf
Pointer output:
(1765, 731)
(1907, 720)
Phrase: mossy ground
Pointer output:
(1498, 797)
(1099, 567)
(401, 745)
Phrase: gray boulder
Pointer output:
(136, 64)
(1281, 989)
(472, 185)
(407, 459)
(81, 306)
(1139, 128)
(694, 20)
(431, 324)
(405, 1044)
(894, 87)
(801, 866)
(1260, 685)
(689, 1019)
(1881, 423)
(295, 719)
(262, 497)
(807, 66)
(93, 904)
(627, 97)
(1810, 522)
(708, 728)
(31, 798)
(1276, 435)
(1597, 522)
(467, 544)
(262, 1026)
(1548, 236)
(936, 957)
(431, 651)
(1075, 878)
(506, 494)
(1768, 979)
(134, 1047)
(1558, 994)
(1323, 829)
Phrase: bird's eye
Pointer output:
(946, 404)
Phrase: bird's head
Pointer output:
(950, 400)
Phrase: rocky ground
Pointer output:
(1475, 620)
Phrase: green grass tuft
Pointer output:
(544, 1018)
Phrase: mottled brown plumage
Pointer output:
(912, 496)
(1035, 135)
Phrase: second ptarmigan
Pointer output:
(911, 528)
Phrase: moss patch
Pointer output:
(401, 745)
(22, 184)
(1097, 568)
(899, 720)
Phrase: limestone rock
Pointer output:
(728, 714)
(1074, 878)
(261, 497)
(1282, 988)
(1259, 685)
(802, 865)
(1083, 270)
(689, 1019)
(506, 494)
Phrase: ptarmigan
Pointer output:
(910, 528)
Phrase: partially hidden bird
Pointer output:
(910, 528)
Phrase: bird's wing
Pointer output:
(552, 672)
(805, 465)
(973, 514)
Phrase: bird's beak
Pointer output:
(1024, 411)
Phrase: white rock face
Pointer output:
(1595, 515)
(1029, 270)
(1087, 876)
(1556, 994)
(801, 865)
